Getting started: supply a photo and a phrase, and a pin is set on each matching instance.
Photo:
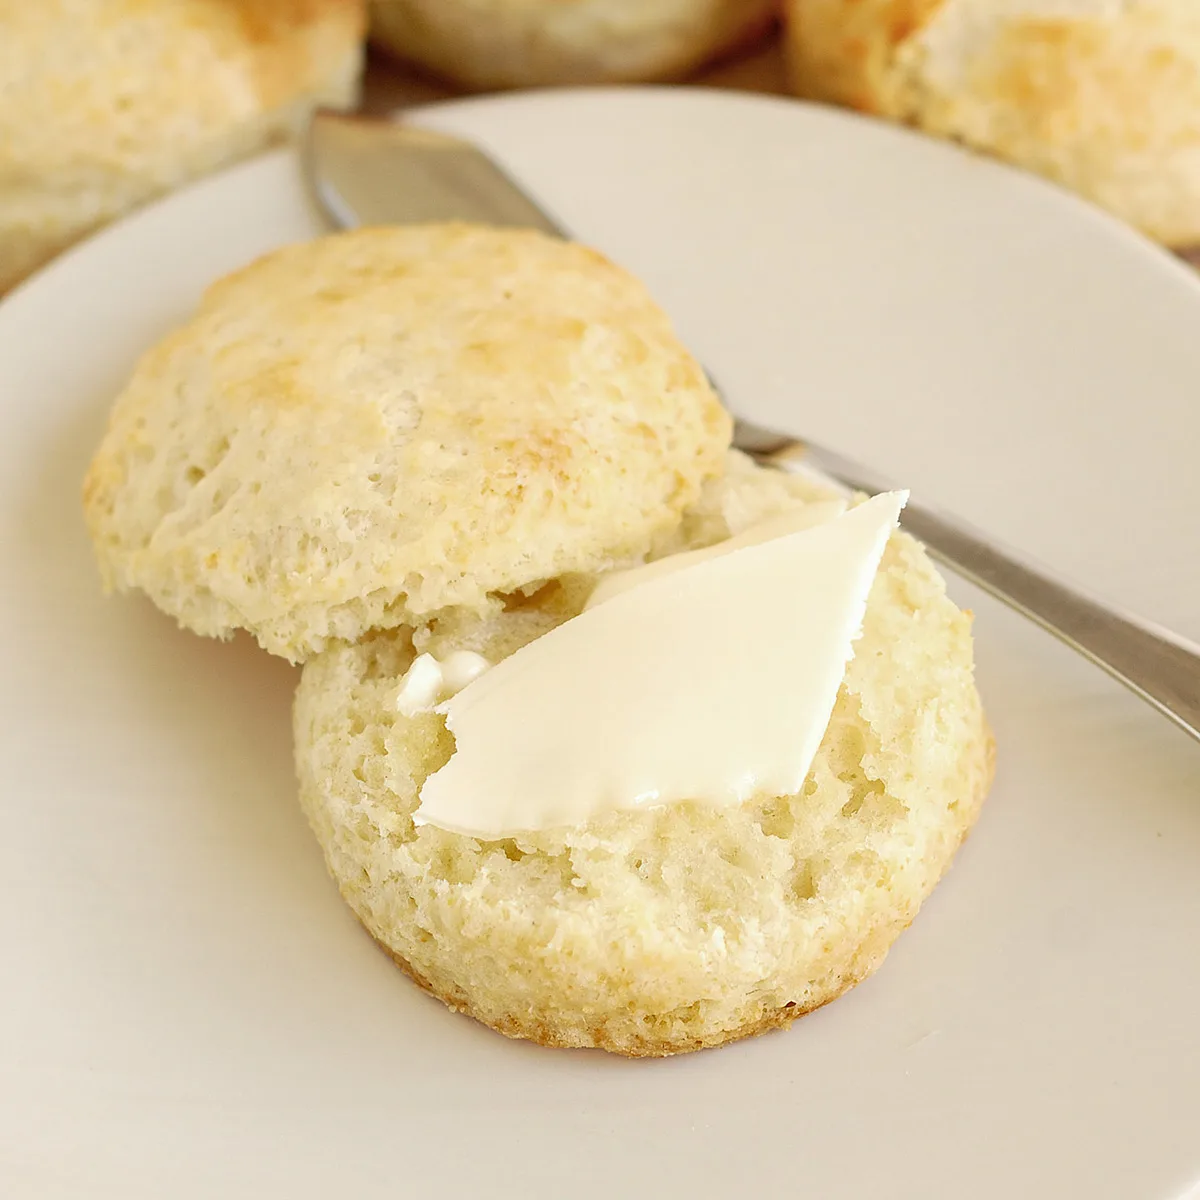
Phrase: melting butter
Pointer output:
(712, 680)
(430, 680)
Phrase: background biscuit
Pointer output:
(1102, 96)
(107, 103)
(520, 43)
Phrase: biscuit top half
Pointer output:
(361, 431)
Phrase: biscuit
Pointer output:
(105, 104)
(522, 43)
(1101, 96)
(359, 431)
(658, 931)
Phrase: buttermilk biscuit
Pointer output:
(1102, 96)
(661, 931)
(520, 43)
(359, 431)
(106, 103)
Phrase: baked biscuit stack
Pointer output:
(439, 438)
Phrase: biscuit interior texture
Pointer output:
(670, 929)
(357, 432)
(523, 43)
(107, 103)
(1102, 96)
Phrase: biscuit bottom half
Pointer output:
(671, 929)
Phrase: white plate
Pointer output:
(189, 1010)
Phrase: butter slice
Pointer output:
(616, 582)
(713, 683)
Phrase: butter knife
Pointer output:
(365, 170)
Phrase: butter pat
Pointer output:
(712, 682)
(430, 680)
